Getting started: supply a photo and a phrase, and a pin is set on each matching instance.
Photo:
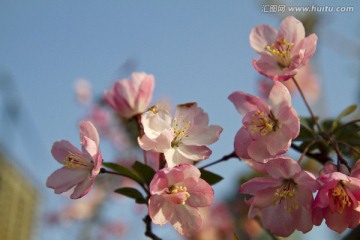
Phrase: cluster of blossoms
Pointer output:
(176, 190)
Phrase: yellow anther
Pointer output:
(74, 161)
(180, 128)
(263, 123)
(285, 194)
(154, 109)
(282, 50)
(177, 189)
(340, 197)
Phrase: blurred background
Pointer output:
(58, 57)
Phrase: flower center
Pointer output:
(74, 161)
(260, 122)
(180, 189)
(340, 197)
(285, 194)
(282, 50)
(180, 127)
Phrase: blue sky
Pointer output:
(197, 51)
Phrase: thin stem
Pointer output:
(307, 105)
(148, 231)
(306, 150)
(340, 157)
(224, 158)
(145, 157)
(317, 156)
(349, 146)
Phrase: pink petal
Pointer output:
(291, 29)
(145, 90)
(255, 185)
(279, 98)
(90, 147)
(282, 167)
(245, 103)
(241, 143)
(336, 221)
(269, 67)
(284, 223)
(262, 36)
(64, 178)
(289, 118)
(303, 51)
(201, 195)
(160, 211)
(87, 129)
(189, 171)
(194, 153)
(60, 150)
(173, 158)
(308, 180)
(203, 135)
(278, 142)
(186, 220)
(155, 123)
(257, 150)
(83, 188)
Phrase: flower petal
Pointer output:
(60, 150)
(160, 211)
(64, 178)
(292, 30)
(186, 220)
(282, 167)
(245, 103)
(83, 188)
(87, 129)
(262, 36)
(201, 194)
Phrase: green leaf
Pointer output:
(123, 171)
(144, 171)
(350, 109)
(132, 193)
(210, 177)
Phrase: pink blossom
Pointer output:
(282, 52)
(80, 167)
(338, 200)
(176, 195)
(283, 200)
(131, 97)
(267, 130)
(182, 138)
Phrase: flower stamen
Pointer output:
(282, 50)
(263, 123)
(340, 197)
(74, 161)
(176, 189)
(285, 194)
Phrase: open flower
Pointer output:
(80, 167)
(131, 97)
(338, 200)
(267, 130)
(283, 200)
(182, 138)
(176, 194)
(282, 52)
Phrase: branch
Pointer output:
(148, 232)
(224, 158)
